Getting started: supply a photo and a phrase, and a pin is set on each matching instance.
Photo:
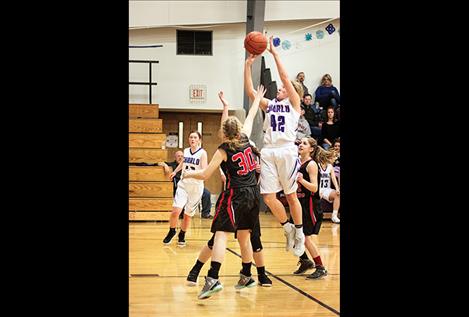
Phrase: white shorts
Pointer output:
(324, 193)
(188, 196)
(279, 167)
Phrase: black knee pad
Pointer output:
(256, 243)
(210, 242)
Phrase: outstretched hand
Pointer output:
(260, 92)
(270, 47)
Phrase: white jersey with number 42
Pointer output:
(280, 124)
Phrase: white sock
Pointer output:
(334, 213)
(299, 231)
(287, 227)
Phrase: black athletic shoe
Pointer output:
(192, 278)
(264, 280)
(318, 274)
(181, 240)
(169, 237)
(304, 266)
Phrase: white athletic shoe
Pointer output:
(299, 245)
(335, 219)
(290, 237)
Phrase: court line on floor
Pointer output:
(294, 287)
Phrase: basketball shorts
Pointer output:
(324, 193)
(237, 209)
(188, 196)
(279, 167)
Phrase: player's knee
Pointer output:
(210, 242)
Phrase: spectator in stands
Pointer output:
(300, 78)
(330, 129)
(314, 115)
(304, 130)
(178, 157)
(326, 94)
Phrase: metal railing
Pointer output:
(149, 83)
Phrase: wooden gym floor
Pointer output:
(157, 275)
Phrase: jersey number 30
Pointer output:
(246, 161)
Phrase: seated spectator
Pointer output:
(304, 130)
(178, 158)
(301, 78)
(330, 129)
(314, 115)
(326, 94)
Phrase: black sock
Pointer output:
(181, 235)
(172, 230)
(304, 256)
(214, 268)
(299, 226)
(246, 269)
(198, 266)
(282, 223)
(261, 270)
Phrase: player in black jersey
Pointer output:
(238, 207)
(308, 195)
(206, 251)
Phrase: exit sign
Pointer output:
(197, 93)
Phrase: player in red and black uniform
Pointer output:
(238, 208)
(206, 251)
(308, 195)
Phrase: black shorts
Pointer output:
(237, 209)
(312, 216)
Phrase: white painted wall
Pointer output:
(157, 13)
(224, 70)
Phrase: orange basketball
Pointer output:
(255, 43)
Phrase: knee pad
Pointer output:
(256, 243)
(210, 242)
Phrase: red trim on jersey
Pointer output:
(311, 210)
(229, 207)
(219, 205)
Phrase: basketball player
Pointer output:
(279, 156)
(327, 175)
(308, 195)
(189, 191)
(238, 208)
(256, 243)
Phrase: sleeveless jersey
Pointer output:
(192, 161)
(240, 166)
(303, 193)
(280, 123)
(325, 176)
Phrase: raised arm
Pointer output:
(247, 126)
(295, 99)
(214, 164)
(224, 114)
(248, 85)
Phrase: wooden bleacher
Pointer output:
(150, 191)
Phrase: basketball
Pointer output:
(255, 43)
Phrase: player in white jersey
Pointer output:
(279, 156)
(189, 191)
(326, 173)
